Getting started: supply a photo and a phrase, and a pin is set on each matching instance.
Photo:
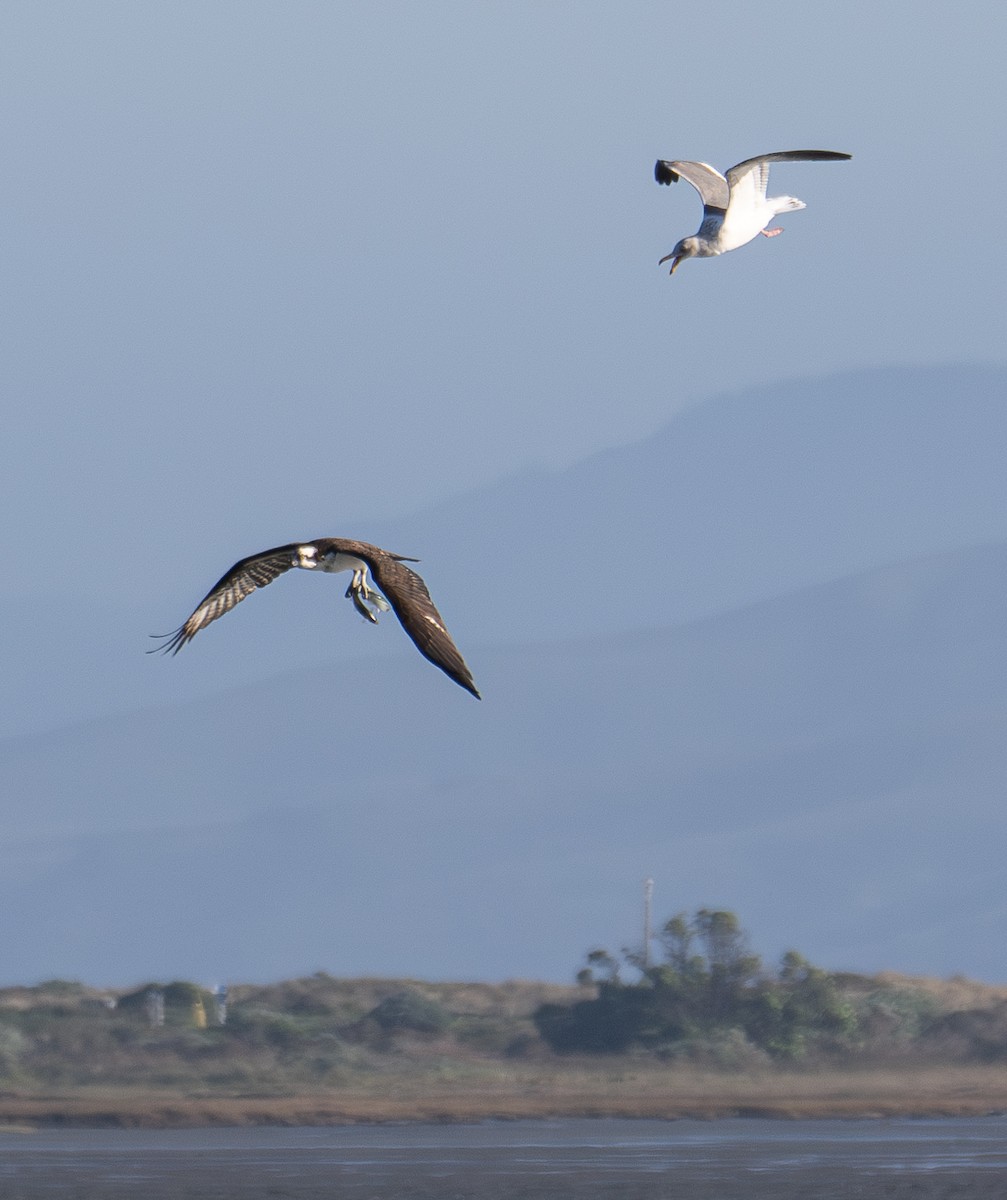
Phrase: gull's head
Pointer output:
(687, 248)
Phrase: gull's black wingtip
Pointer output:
(663, 172)
(819, 155)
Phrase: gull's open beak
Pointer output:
(674, 265)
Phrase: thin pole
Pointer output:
(648, 894)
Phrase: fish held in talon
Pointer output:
(401, 590)
(736, 208)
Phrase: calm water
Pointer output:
(632, 1160)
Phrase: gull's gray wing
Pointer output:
(713, 188)
(240, 581)
(761, 164)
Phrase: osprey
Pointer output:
(405, 591)
(736, 208)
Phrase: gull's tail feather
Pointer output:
(782, 204)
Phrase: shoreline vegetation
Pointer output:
(322, 1050)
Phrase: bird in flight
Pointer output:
(736, 208)
(404, 591)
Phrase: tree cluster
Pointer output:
(708, 984)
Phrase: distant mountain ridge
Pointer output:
(741, 498)
(819, 762)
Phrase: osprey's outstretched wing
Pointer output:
(240, 581)
(407, 594)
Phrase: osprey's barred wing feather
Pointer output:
(240, 581)
(406, 592)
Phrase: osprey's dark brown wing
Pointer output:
(240, 581)
(407, 594)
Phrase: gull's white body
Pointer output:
(736, 208)
(749, 212)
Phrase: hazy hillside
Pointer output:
(821, 763)
(741, 498)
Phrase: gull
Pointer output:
(736, 208)
(405, 591)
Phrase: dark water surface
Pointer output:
(537, 1160)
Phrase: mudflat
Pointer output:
(547, 1160)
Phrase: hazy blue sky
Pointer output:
(271, 270)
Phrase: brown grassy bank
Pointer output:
(633, 1092)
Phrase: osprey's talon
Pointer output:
(358, 603)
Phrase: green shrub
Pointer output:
(408, 1010)
(701, 999)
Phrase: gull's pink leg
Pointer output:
(770, 232)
